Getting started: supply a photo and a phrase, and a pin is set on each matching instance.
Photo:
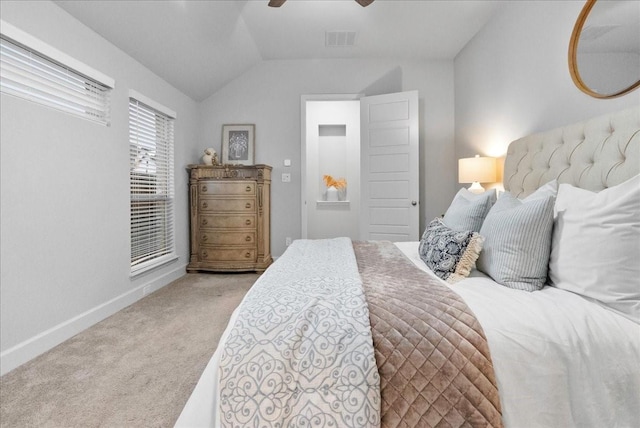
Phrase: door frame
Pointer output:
(303, 147)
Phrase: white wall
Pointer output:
(64, 246)
(269, 96)
(512, 79)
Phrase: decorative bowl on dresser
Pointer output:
(230, 218)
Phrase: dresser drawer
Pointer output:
(236, 221)
(228, 205)
(228, 188)
(237, 255)
(227, 238)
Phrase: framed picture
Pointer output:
(238, 144)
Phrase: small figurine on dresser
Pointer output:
(210, 157)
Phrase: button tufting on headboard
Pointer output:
(594, 154)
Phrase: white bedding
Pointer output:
(560, 360)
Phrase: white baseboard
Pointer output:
(39, 344)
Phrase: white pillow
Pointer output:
(596, 245)
(549, 189)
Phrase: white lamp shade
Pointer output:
(477, 169)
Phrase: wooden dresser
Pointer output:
(230, 218)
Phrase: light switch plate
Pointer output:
(286, 177)
(287, 162)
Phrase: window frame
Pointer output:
(141, 183)
(40, 73)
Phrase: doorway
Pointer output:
(371, 145)
(331, 151)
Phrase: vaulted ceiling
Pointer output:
(198, 45)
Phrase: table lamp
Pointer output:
(477, 170)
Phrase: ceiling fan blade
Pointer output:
(278, 3)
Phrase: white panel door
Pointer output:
(389, 167)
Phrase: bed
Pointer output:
(520, 312)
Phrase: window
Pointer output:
(151, 183)
(35, 71)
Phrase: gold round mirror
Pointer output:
(604, 52)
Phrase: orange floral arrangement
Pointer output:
(338, 184)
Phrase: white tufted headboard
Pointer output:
(594, 154)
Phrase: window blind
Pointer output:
(28, 74)
(151, 185)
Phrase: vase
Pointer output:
(342, 194)
(332, 194)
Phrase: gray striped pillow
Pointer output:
(468, 210)
(518, 241)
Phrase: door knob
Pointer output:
(414, 203)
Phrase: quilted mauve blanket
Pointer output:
(432, 355)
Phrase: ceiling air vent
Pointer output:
(337, 39)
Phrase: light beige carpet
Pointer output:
(136, 368)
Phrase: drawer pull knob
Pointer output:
(248, 205)
(248, 238)
(248, 222)
(247, 255)
(204, 188)
(205, 254)
(205, 205)
(205, 237)
(204, 221)
(248, 188)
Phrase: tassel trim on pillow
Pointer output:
(468, 259)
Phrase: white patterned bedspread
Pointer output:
(300, 352)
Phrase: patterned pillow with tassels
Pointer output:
(450, 254)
